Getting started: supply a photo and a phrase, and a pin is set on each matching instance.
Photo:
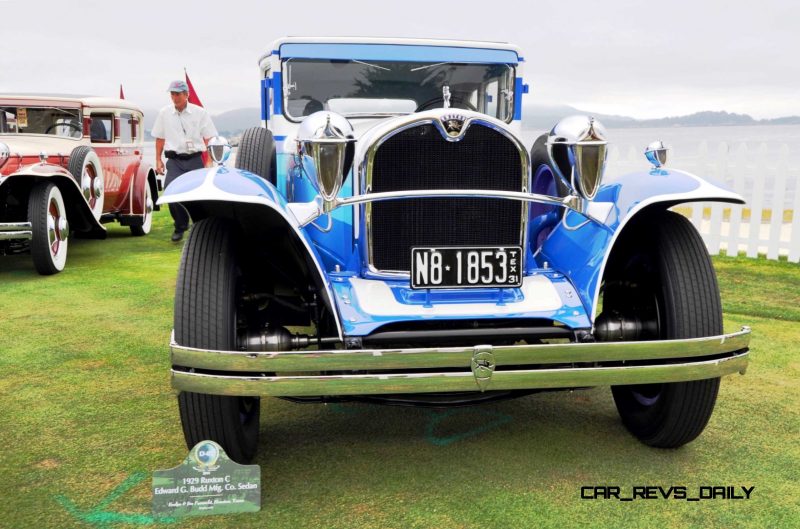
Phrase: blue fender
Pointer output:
(237, 188)
(580, 248)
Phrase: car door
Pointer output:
(101, 133)
(129, 156)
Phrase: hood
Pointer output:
(33, 144)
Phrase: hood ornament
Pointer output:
(446, 96)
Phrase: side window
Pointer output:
(491, 98)
(135, 120)
(126, 133)
(100, 128)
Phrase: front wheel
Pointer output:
(205, 317)
(662, 273)
(48, 217)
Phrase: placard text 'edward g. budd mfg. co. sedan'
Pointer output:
(67, 165)
(390, 204)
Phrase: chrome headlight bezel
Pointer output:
(219, 149)
(578, 149)
(656, 154)
(325, 144)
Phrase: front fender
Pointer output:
(580, 248)
(79, 213)
(249, 200)
(145, 176)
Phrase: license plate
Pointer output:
(466, 267)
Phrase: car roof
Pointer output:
(68, 100)
(406, 41)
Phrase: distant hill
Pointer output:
(228, 123)
(236, 121)
(544, 117)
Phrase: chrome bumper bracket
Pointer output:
(10, 231)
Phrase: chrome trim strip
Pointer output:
(566, 202)
(281, 386)
(456, 357)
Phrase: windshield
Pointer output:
(55, 121)
(385, 88)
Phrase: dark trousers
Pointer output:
(175, 168)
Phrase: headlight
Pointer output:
(325, 142)
(218, 149)
(578, 149)
(656, 154)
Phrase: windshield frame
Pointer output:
(286, 78)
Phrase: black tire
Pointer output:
(670, 276)
(256, 153)
(79, 159)
(205, 317)
(48, 244)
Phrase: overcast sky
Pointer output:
(642, 59)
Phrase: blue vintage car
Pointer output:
(389, 206)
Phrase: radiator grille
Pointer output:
(420, 158)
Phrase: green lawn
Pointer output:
(86, 414)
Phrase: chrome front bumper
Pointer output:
(15, 231)
(456, 369)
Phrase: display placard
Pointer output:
(207, 482)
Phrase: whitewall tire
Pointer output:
(48, 217)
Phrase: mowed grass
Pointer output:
(86, 406)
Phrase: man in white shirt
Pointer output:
(182, 131)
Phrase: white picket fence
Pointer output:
(763, 175)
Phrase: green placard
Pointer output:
(207, 482)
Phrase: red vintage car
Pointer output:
(67, 166)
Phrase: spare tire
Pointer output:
(84, 166)
(256, 153)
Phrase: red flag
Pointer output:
(121, 93)
(193, 99)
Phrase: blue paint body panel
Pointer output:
(580, 253)
(397, 52)
(277, 94)
(518, 91)
(358, 322)
(265, 99)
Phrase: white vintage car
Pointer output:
(68, 165)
